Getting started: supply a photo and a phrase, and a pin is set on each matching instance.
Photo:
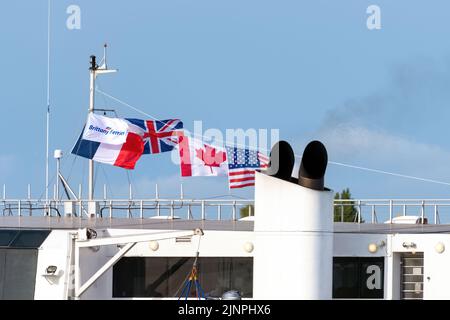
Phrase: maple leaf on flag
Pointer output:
(211, 157)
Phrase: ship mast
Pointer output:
(94, 71)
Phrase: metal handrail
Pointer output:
(364, 210)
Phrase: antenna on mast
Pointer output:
(103, 68)
(103, 64)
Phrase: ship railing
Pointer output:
(188, 209)
(386, 210)
(351, 210)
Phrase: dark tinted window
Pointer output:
(219, 275)
(17, 273)
(22, 238)
(372, 276)
(154, 278)
(7, 236)
(30, 239)
(179, 268)
(165, 277)
(355, 277)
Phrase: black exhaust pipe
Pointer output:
(282, 161)
(313, 166)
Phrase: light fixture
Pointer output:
(248, 247)
(439, 247)
(154, 245)
(52, 274)
(409, 245)
(51, 270)
(373, 247)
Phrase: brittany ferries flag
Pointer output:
(105, 130)
(125, 155)
(200, 159)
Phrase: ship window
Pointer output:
(165, 276)
(358, 277)
(179, 268)
(7, 236)
(17, 273)
(30, 239)
(22, 238)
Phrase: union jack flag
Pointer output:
(159, 135)
(242, 164)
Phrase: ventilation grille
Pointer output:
(183, 239)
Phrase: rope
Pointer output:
(296, 155)
(154, 118)
(125, 104)
(192, 278)
(390, 173)
(225, 196)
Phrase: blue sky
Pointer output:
(377, 99)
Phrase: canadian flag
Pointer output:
(201, 159)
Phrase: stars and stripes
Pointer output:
(242, 164)
(159, 135)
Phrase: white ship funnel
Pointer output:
(293, 255)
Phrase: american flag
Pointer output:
(242, 164)
(159, 135)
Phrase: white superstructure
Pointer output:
(370, 260)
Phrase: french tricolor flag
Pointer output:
(123, 155)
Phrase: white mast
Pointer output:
(94, 71)
(91, 110)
